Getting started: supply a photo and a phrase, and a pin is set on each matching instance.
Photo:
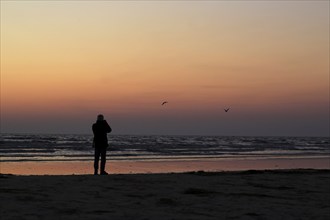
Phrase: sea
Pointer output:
(60, 147)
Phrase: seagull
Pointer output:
(164, 103)
(226, 110)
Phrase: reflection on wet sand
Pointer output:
(126, 167)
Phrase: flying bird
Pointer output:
(226, 110)
(164, 103)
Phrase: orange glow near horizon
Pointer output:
(125, 58)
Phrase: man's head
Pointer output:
(100, 117)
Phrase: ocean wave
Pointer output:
(74, 147)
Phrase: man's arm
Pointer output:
(107, 127)
(94, 129)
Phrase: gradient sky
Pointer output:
(64, 62)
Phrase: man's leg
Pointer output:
(96, 160)
(103, 160)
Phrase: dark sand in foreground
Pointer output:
(277, 194)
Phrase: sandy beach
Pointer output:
(171, 166)
(272, 194)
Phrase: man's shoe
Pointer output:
(104, 173)
(95, 172)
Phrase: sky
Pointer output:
(64, 62)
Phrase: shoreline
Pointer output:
(145, 167)
(198, 173)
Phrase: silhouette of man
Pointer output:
(100, 143)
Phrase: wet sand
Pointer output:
(276, 194)
(128, 167)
